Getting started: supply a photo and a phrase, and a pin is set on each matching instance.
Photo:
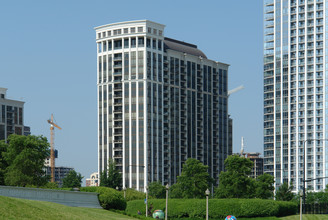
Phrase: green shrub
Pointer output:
(132, 194)
(218, 208)
(108, 198)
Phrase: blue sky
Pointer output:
(48, 60)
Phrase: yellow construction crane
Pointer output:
(52, 151)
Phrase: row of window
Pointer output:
(130, 30)
(132, 42)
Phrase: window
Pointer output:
(118, 44)
(159, 45)
(104, 34)
(109, 45)
(148, 42)
(155, 31)
(117, 31)
(140, 41)
(99, 35)
(154, 43)
(160, 33)
(126, 30)
(109, 33)
(133, 42)
(126, 43)
(140, 29)
(149, 30)
(133, 30)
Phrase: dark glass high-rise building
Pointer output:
(160, 101)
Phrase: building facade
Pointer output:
(295, 92)
(60, 173)
(11, 116)
(257, 169)
(93, 180)
(160, 101)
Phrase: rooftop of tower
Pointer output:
(183, 47)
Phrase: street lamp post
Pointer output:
(207, 192)
(167, 198)
(146, 201)
(124, 190)
(304, 155)
(301, 195)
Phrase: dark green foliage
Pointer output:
(175, 191)
(3, 163)
(111, 177)
(25, 157)
(157, 190)
(284, 192)
(316, 197)
(108, 198)
(50, 185)
(264, 186)
(235, 183)
(73, 179)
(194, 179)
(218, 208)
(132, 194)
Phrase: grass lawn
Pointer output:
(306, 217)
(12, 208)
(292, 217)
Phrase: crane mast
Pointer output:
(52, 151)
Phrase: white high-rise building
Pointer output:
(160, 101)
(295, 97)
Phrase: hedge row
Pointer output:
(108, 198)
(218, 208)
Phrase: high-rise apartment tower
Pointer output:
(160, 101)
(11, 116)
(295, 97)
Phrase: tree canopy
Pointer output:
(24, 157)
(111, 177)
(156, 190)
(72, 179)
(284, 192)
(235, 182)
(194, 179)
(264, 186)
(3, 163)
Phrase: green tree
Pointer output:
(157, 190)
(284, 192)
(72, 179)
(175, 191)
(25, 157)
(3, 163)
(194, 179)
(264, 186)
(316, 197)
(111, 177)
(235, 182)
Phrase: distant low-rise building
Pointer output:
(93, 180)
(60, 173)
(257, 169)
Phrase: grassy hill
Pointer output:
(12, 208)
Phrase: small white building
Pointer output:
(93, 180)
